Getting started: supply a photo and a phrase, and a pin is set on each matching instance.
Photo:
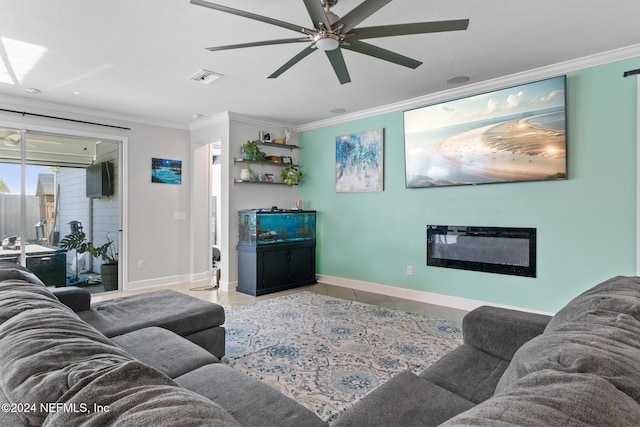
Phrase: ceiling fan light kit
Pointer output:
(326, 41)
(331, 34)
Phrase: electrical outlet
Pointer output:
(141, 263)
(409, 270)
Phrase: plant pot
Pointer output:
(109, 275)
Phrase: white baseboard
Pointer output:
(415, 295)
(228, 286)
(160, 281)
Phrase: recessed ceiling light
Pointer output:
(338, 111)
(32, 90)
(76, 92)
(458, 80)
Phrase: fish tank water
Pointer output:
(266, 227)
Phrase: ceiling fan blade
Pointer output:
(262, 43)
(250, 15)
(380, 53)
(293, 61)
(339, 66)
(316, 12)
(407, 29)
(359, 14)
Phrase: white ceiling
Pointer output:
(134, 57)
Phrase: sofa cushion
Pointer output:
(602, 343)
(167, 309)
(550, 398)
(44, 352)
(619, 294)
(250, 401)
(405, 400)
(132, 394)
(12, 271)
(500, 332)
(77, 299)
(17, 296)
(468, 372)
(165, 351)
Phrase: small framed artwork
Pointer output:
(264, 136)
(360, 162)
(165, 171)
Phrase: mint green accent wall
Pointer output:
(586, 225)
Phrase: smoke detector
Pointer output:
(205, 76)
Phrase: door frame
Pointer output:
(123, 177)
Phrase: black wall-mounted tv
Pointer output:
(508, 135)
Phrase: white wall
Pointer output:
(231, 131)
(247, 196)
(203, 134)
(106, 209)
(151, 232)
(165, 236)
(73, 204)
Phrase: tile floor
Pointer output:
(204, 291)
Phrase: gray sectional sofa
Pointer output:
(580, 367)
(123, 362)
(127, 362)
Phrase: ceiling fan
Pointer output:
(331, 33)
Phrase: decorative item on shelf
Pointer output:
(274, 159)
(245, 175)
(268, 177)
(278, 141)
(291, 175)
(286, 159)
(264, 136)
(251, 152)
(287, 136)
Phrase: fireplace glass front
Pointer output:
(503, 250)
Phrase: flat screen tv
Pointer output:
(508, 135)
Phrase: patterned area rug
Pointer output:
(325, 352)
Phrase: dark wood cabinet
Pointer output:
(271, 268)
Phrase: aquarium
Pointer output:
(265, 227)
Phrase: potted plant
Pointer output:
(109, 267)
(250, 151)
(291, 175)
(78, 242)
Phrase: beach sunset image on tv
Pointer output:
(508, 135)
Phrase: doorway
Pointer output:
(47, 193)
(216, 211)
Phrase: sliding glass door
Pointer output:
(52, 186)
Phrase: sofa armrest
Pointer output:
(501, 332)
(75, 298)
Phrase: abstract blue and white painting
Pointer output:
(360, 161)
(166, 171)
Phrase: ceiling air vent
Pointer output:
(205, 76)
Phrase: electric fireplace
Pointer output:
(502, 250)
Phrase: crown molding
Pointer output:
(259, 122)
(22, 103)
(212, 120)
(541, 73)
